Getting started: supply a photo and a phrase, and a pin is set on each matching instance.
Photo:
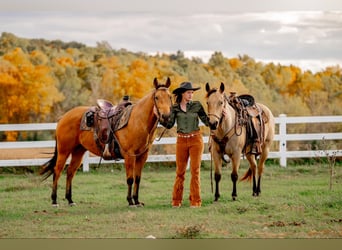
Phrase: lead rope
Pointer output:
(211, 166)
(161, 135)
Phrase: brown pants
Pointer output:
(188, 145)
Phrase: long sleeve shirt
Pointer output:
(188, 121)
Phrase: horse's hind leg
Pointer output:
(60, 164)
(252, 168)
(261, 164)
(75, 163)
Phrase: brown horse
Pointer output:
(231, 139)
(135, 140)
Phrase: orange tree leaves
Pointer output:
(28, 90)
(36, 75)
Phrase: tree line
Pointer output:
(40, 79)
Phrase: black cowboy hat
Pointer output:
(184, 86)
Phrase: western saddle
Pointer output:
(250, 115)
(103, 119)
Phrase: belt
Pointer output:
(187, 135)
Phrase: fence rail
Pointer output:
(282, 138)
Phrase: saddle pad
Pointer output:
(119, 124)
(83, 125)
(123, 120)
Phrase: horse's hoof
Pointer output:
(55, 205)
(234, 198)
(140, 204)
(72, 204)
(132, 206)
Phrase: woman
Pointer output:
(189, 142)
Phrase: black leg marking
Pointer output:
(217, 181)
(234, 178)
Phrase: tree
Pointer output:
(29, 90)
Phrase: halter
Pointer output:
(154, 100)
(220, 118)
(231, 131)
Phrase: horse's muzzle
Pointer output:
(213, 125)
(164, 118)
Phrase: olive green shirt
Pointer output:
(187, 122)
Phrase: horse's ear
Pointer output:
(207, 87)
(155, 82)
(168, 82)
(222, 87)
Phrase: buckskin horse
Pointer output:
(230, 136)
(134, 140)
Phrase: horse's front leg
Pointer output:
(234, 175)
(139, 164)
(129, 164)
(217, 181)
(216, 157)
(136, 192)
(130, 181)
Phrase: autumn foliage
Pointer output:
(41, 79)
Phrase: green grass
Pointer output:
(295, 203)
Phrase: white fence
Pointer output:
(282, 138)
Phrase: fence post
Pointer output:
(86, 162)
(282, 139)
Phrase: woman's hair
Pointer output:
(178, 98)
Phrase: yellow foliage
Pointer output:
(30, 90)
(65, 61)
(235, 63)
(11, 135)
(8, 74)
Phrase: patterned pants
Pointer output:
(188, 146)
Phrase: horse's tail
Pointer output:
(247, 176)
(48, 168)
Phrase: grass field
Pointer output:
(295, 203)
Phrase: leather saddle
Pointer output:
(103, 119)
(250, 115)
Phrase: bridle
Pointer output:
(220, 118)
(155, 103)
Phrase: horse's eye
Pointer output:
(220, 102)
(156, 98)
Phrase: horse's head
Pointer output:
(162, 100)
(216, 104)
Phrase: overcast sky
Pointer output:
(300, 32)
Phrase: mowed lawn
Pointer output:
(295, 203)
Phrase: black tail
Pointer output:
(48, 168)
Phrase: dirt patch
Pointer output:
(27, 153)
